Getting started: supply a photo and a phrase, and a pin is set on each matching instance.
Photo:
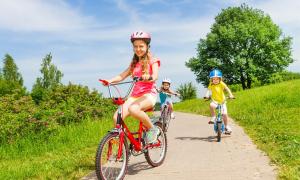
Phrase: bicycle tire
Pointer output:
(167, 119)
(104, 159)
(150, 152)
(163, 118)
(219, 131)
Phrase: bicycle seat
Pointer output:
(149, 110)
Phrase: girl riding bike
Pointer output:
(143, 96)
(216, 88)
(165, 94)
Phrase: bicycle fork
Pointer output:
(219, 120)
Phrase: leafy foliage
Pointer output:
(187, 91)
(11, 80)
(245, 44)
(21, 116)
(51, 78)
(10, 71)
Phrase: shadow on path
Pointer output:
(207, 139)
(137, 167)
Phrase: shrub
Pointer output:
(187, 91)
(21, 115)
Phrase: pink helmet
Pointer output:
(141, 35)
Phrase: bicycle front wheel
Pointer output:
(108, 164)
(166, 117)
(155, 156)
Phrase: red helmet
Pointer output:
(140, 35)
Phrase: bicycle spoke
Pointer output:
(109, 166)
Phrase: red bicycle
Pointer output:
(113, 152)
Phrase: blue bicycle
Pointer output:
(219, 126)
(166, 110)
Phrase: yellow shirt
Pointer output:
(217, 91)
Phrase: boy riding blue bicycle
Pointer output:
(165, 94)
(216, 89)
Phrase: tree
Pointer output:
(1, 76)
(245, 44)
(10, 71)
(187, 91)
(51, 78)
(11, 80)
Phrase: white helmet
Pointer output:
(166, 80)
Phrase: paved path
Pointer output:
(194, 154)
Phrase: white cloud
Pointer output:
(65, 23)
(69, 25)
(39, 15)
(282, 12)
(129, 10)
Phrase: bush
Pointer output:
(187, 91)
(21, 115)
(235, 87)
(17, 118)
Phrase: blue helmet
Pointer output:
(215, 73)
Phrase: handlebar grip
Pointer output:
(104, 82)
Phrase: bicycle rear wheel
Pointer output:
(108, 165)
(219, 131)
(155, 156)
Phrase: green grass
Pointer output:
(69, 154)
(270, 115)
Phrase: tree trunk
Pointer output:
(247, 75)
(243, 81)
(249, 82)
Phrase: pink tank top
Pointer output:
(140, 88)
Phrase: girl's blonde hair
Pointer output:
(145, 62)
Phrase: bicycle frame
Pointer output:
(165, 104)
(121, 127)
(165, 110)
(219, 117)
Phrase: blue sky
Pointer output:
(90, 39)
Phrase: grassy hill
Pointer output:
(270, 115)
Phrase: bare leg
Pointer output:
(212, 108)
(124, 109)
(171, 105)
(137, 108)
(225, 119)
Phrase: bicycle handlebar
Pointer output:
(169, 94)
(209, 98)
(134, 80)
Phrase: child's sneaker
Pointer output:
(212, 120)
(151, 135)
(228, 130)
(172, 115)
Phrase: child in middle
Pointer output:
(165, 94)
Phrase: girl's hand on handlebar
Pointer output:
(146, 77)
